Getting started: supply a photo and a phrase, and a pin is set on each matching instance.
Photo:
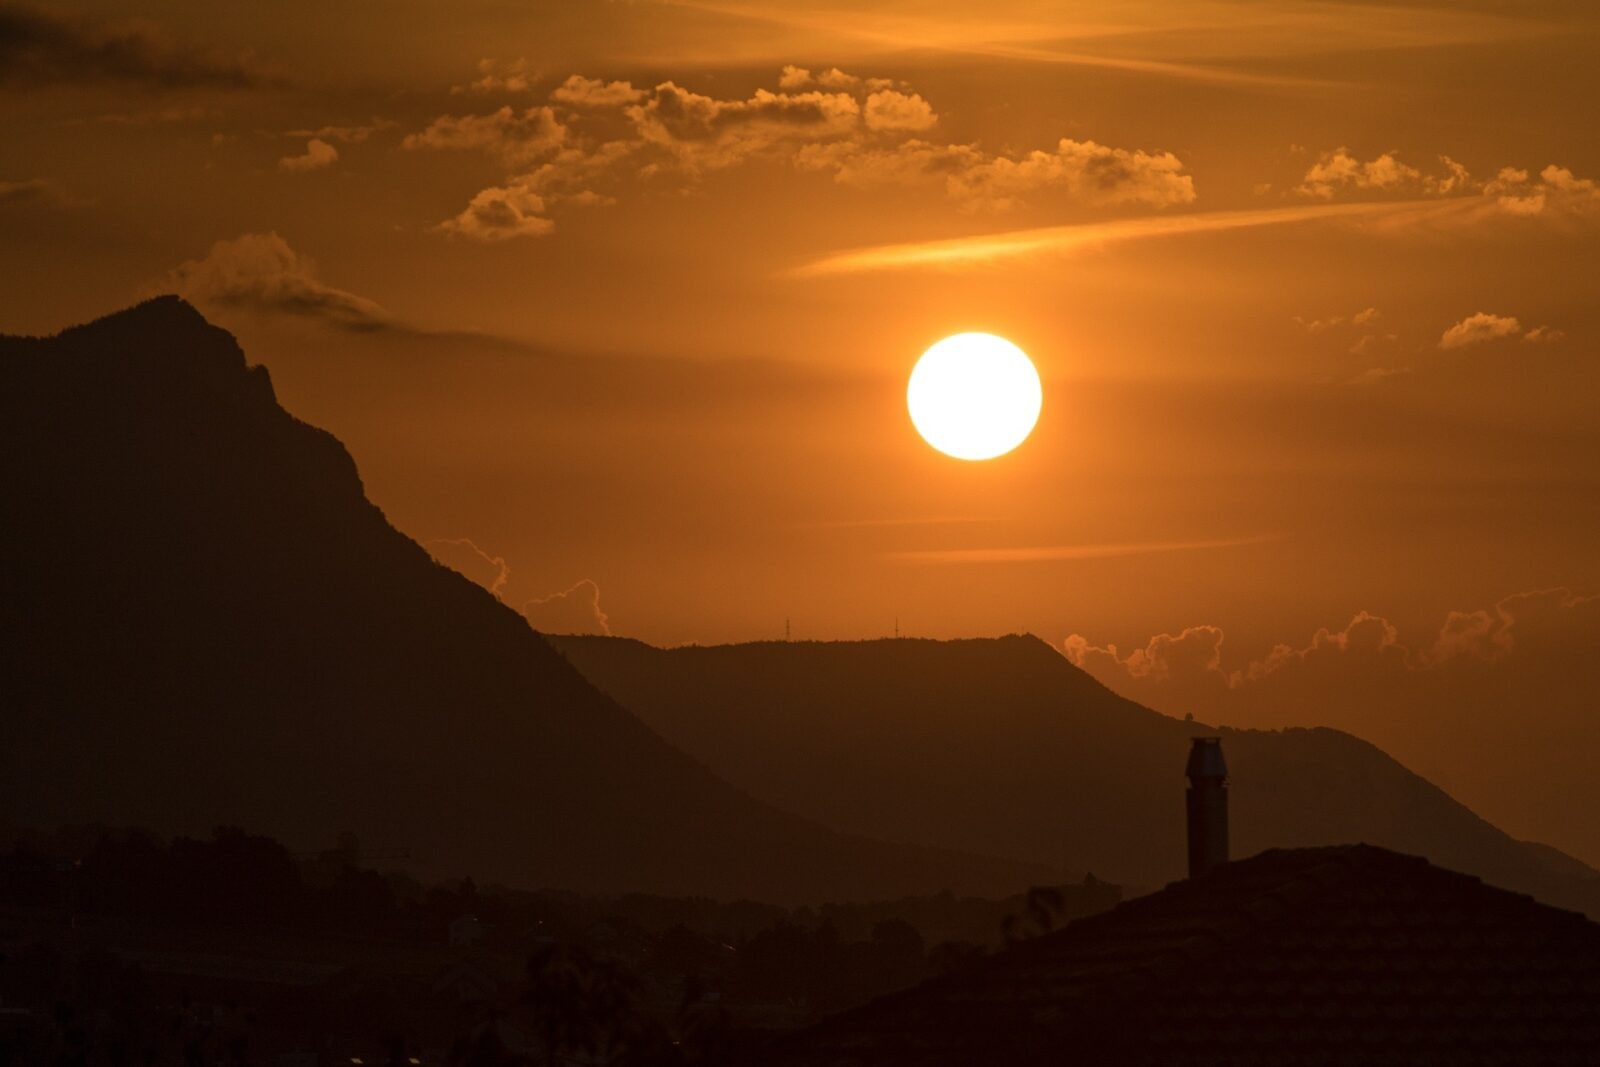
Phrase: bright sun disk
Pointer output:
(974, 396)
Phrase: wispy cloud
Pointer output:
(261, 271)
(979, 249)
(40, 47)
(1022, 40)
(1056, 553)
(932, 520)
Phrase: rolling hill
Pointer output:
(1002, 745)
(208, 623)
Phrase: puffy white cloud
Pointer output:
(1555, 191)
(1084, 171)
(579, 91)
(1081, 171)
(500, 213)
(890, 109)
(318, 154)
(1478, 328)
(856, 129)
(261, 271)
(703, 133)
(516, 138)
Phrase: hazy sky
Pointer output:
(625, 294)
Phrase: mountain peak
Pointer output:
(160, 321)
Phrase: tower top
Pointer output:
(1205, 759)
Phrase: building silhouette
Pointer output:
(1337, 955)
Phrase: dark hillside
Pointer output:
(1004, 745)
(207, 623)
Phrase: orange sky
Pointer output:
(627, 293)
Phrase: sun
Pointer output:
(974, 396)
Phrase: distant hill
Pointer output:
(1003, 745)
(207, 622)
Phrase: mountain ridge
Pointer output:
(217, 626)
(1005, 741)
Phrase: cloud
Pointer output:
(574, 611)
(983, 249)
(1191, 661)
(1363, 317)
(494, 76)
(596, 136)
(40, 48)
(1185, 669)
(37, 193)
(1338, 170)
(346, 134)
(1081, 171)
(578, 91)
(318, 154)
(500, 213)
(1543, 335)
(792, 77)
(513, 137)
(701, 133)
(1195, 653)
(1556, 191)
(889, 109)
(1374, 375)
(1493, 703)
(463, 556)
(1478, 328)
(261, 271)
(1056, 553)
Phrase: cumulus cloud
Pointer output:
(513, 137)
(1513, 191)
(889, 109)
(318, 154)
(500, 213)
(704, 133)
(596, 136)
(1339, 170)
(39, 48)
(1543, 335)
(261, 271)
(1479, 327)
(462, 555)
(792, 77)
(579, 91)
(1081, 171)
(1556, 190)
(573, 611)
(1494, 703)
(1186, 669)
(496, 76)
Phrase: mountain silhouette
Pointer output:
(1004, 745)
(208, 623)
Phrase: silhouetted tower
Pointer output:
(1208, 806)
